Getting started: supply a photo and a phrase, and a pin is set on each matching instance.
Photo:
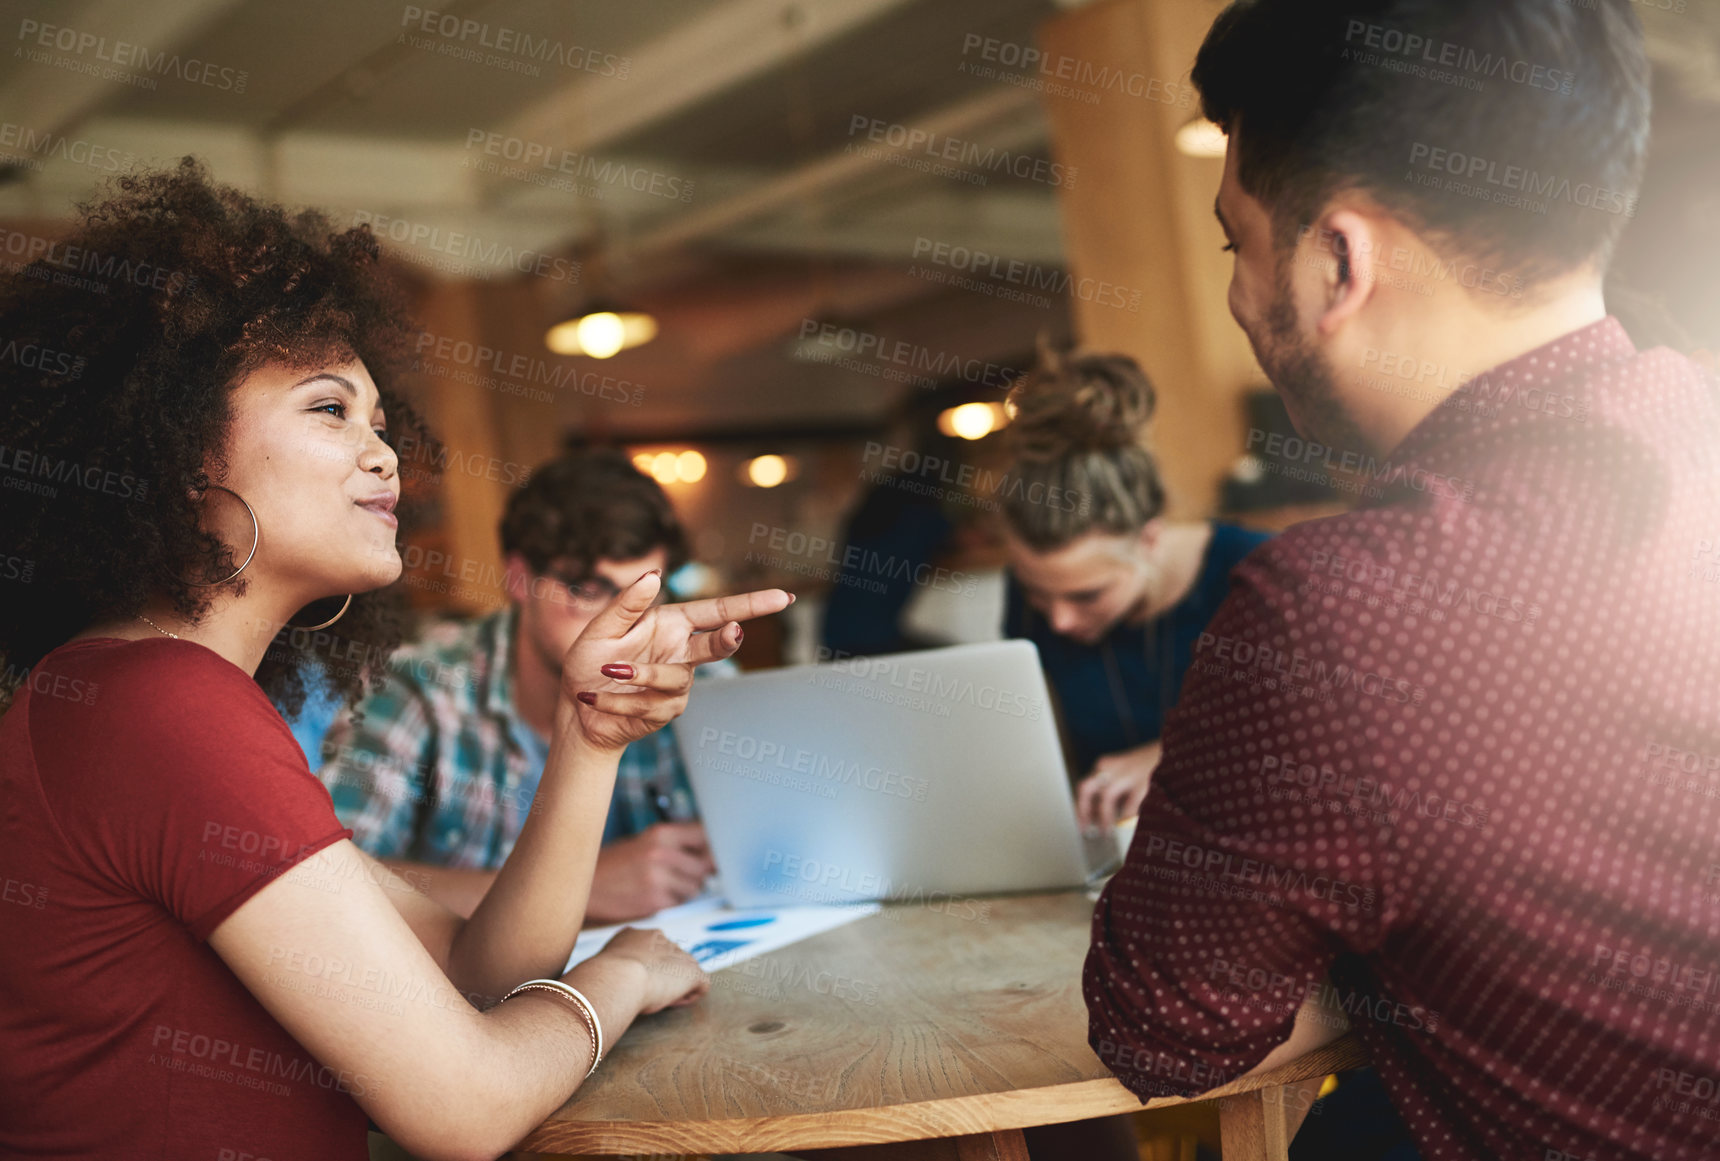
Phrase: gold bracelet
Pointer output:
(587, 1013)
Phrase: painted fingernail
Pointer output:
(618, 671)
(586, 697)
(740, 634)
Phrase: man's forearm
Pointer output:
(459, 889)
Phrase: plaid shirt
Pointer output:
(441, 769)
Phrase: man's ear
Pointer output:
(1349, 282)
(518, 577)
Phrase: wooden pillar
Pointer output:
(1139, 215)
(464, 417)
(529, 426)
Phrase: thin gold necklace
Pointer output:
(156, 627)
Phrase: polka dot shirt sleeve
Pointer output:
(1248, 872)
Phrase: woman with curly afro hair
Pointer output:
(198, 398)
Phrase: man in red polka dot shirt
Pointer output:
(1447, 766)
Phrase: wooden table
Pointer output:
(955, 1025)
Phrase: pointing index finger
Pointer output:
(715, 612)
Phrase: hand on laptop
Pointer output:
(1116, 787)
(659, 867)
(630, 670)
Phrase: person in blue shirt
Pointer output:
(1113, 594)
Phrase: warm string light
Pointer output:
(767, 471)
(672, 467)
(973, 420)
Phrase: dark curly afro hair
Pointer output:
(119, 348)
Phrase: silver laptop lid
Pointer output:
(914, 776)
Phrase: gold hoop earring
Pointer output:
(328, 622)
(256, 537)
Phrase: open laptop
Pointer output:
(917, 776)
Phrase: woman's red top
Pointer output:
(147, 790)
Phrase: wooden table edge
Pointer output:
(916, 1121)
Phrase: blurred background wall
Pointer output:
(846, 218)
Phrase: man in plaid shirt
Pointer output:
(436, 771)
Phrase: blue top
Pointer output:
(314, 721)
(1114, 695)
(892, 524)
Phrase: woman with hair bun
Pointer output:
(1112, 593)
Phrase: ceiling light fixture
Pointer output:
(1202, 138)
(973, 420)
(601, 331)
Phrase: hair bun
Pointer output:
(1079, 403)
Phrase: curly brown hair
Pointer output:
(122, 344)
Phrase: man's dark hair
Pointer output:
(587, 505)
(1543, 100)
